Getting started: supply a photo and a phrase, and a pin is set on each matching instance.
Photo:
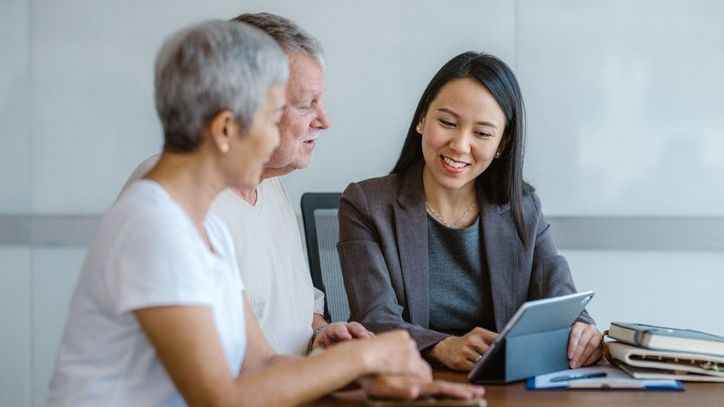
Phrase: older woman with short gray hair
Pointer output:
(159, 316)
(199, 73)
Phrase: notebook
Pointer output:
(657, 364)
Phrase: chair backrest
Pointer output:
(321, 230)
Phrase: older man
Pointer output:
(262, 221)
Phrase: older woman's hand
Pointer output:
(411, 387)
(390, 353)
(585, 345)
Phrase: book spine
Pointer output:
(641, 337)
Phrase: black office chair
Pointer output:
(321, 230)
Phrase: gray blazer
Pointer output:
(384, 256)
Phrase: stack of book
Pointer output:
(654, 352)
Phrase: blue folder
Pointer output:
(598, 378)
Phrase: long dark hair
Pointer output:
(502, 182)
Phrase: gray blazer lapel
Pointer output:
(500, 248)
(411, 233)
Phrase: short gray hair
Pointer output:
(290, 36)
(210, 67)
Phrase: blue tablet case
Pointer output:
(534, 342)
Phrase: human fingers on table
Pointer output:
(451, 389)
(588, 342)
(574, 338)
(596, 352)
(391, 386)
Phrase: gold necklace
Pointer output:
(440, 219)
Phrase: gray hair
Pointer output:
(207, 68)
(290, 36)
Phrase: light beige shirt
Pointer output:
(272, 264)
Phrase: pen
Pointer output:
(577, 376)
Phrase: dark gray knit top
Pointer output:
(460, 297)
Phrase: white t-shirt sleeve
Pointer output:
(159, 262)
(318, 301)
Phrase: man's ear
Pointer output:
(221, 129)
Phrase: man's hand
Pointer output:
(585, 345)
(339, 331)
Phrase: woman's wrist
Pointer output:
(437, 352)
(434, 352)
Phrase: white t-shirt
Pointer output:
(272, 262)
(146, 252)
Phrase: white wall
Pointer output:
(14, 99)
(15, 337)
(623, 99)
(681, 289)
(625, 108)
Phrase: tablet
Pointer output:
(547, 314)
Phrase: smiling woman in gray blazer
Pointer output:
(453, 241)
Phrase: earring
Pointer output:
(497, 155)
(419, 125)
(224, 148)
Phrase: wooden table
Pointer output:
(696, 394)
